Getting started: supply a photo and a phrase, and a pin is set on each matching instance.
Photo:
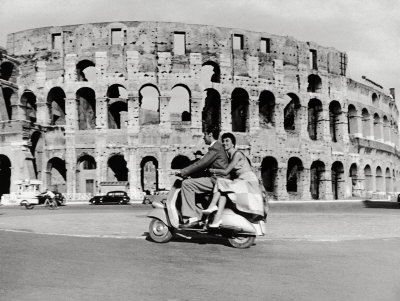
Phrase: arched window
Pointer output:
(315, 119)
(295, 167)
(28, 102)
(269, 171)
(337, 180)
(86, 71)
(56, 175)
(335, 113)
(317, 172)
(239, 110)
(149, 102)
(86, 98)
(56, 102)
(352, 120)
(291, 113)
(365, 124)
(179, 106)
(314, 83)
(377, 127)
(379, 180)
(117, 169)
(368, 178)
(211, 114)
(210, 72)
(266, 106)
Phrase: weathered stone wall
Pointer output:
(282, 150)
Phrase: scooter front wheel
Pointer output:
(242, 242)
(159, 232)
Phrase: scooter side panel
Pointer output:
(229, 218)
(161, 214)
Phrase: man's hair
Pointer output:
(229, 136)
(214, 130)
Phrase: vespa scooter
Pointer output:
(165, 221)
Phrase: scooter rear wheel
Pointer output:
(159, 232)
(242, 242)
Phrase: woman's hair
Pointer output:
(230, 136)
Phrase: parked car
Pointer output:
(117, 197)
(60, 199)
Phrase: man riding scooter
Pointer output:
(215, 158)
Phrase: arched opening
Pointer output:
(6, 70)
(374, 98)
(56, 102)
(337, 180)
(5, 175)
(149, 103)
(86, 98)
(368, 178)
(211, 114)
(352, 127)
(379, 180)
(315, 119)
(269, 172)
(314, 83)
(7, 113)
(366, 131)
(386, 129)
(354, 180)
(388, 181)
(317, 172)
(36, 145)
(56, 175)
(291, 114)
(86, 174)
(266, 106)
(117, 91)
(239, 110)
(294, 170)
(149, 174)
(116, 169)
(86, 71)
(335, 113)
(28, 102)
(377, 127)
(179, 105)
(210, 72)
(180, 162)
(117, 115)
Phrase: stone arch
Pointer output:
(293, 174)
(352, 126)
(353, 173)
(386, 129)
(315, 119)
(8, 71)
(180, 162)
(240, 110)
(314, 83)
(210, 72)
(86, 174)
(291, 114)
(266, 106)
(86, 98)
(374, 99)
(179, 106)
(56, 175)
(366, 130)
(269, 173)
(5, 175)
(377, 127)
(335, 113)
(117, 168)
(317, 178)
(149, 174)
(85, 70)
(337, 180)
(37, 145)
(117, 115)
(28, 102)
(388, 181)
(117, 91)
(379, 181)
(149, 105)
(211, 114)
(7, 113)
(368, 177)
(56, 102)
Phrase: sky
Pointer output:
(367, 30)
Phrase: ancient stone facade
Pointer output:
(127, 102)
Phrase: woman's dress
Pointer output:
(244, 190)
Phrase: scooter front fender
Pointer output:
(161, 214)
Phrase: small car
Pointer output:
(117, 197)
(60, 199)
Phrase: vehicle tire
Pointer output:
(52, 205)
(146, 201)
(242, 242)
(159, 232)
(29, 206)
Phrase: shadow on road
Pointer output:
(201, 239)
(381, 204)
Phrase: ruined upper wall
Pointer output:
(150, 38)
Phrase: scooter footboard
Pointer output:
(161, 214)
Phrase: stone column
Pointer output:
(18, 112)
(327, 184)
(101, 113)
(358, 122)
(163, 169)
(279, 119)
(370, 121)
(196, 104)
(134, 175)
(281, 180)
(226, 118)
(254, 114)
(303, 122)
(326, 127)
(305, 184)
(133, 112)
(71, 111)
(165, 122)
(70, 164)
(343, 128)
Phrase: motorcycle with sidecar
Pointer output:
(240, 230)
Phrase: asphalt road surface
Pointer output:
(42, 260)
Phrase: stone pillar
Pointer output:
(133, 112)
(358, 122)
(18, 112)
(254, 113)
(343, 128)
(101, 113)
(326, 128)
(196, 106)
(281, 180)
(43, 113)
(279, 119)
(303, 122)
(165, 122)
(226, 118)
(135, 190)
(370, 121)
(305, 183)
(163, 169)
(71, 111)
(70, 164)
(327, 185)
(381, 133)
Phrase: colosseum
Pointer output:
(84, 107)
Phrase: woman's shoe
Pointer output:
(210, 210)
(215, 224)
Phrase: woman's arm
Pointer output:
(231, 165)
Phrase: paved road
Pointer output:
(100, 253)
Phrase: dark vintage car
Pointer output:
(60, 199)
(117, 197)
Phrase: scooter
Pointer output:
(165, 222)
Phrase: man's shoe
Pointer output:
(210, 210)
(191, 223)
